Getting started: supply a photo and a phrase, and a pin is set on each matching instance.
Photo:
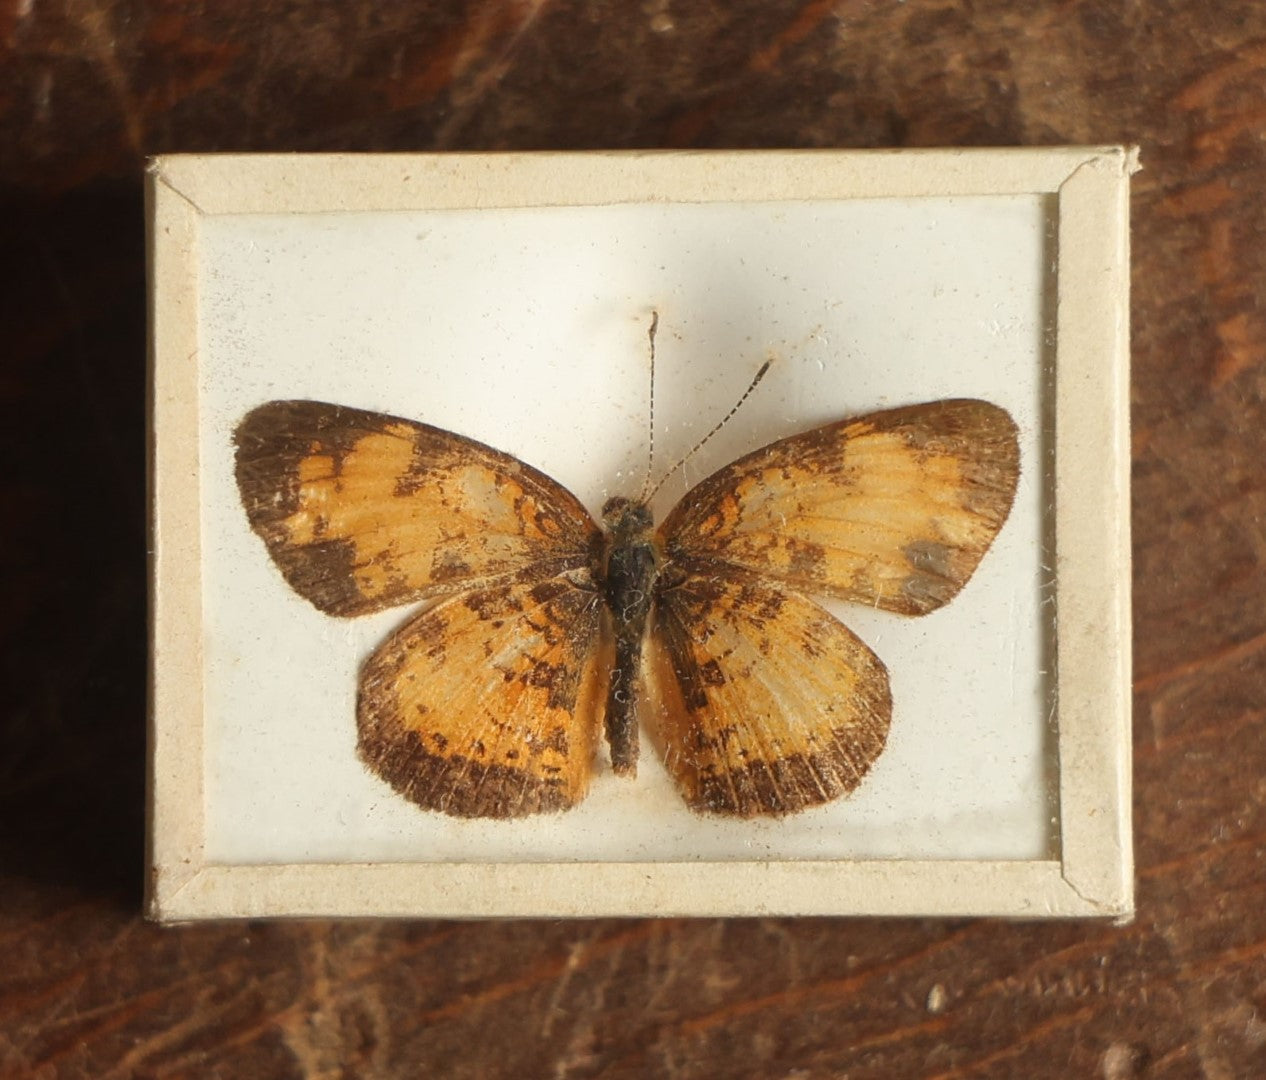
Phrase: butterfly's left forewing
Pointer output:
(362, 511)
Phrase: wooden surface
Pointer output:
(87, 989)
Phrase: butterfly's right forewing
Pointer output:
(894, 509)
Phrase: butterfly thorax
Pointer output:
(631, 563)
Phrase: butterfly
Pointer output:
(539, 630)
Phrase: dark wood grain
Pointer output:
(88, 89)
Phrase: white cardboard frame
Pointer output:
(1093, 875)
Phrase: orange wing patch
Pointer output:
(363, 512)
(895, 509)
(763, 703)
(489, 704)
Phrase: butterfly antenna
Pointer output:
(650, 442)
(760, 374)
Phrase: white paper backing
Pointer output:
(526, 329)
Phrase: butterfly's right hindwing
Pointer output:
(762, 702)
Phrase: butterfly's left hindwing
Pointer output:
(362, 511)
(489, 704)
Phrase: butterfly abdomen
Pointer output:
(628, 580)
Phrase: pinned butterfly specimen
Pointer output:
(538, 629)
